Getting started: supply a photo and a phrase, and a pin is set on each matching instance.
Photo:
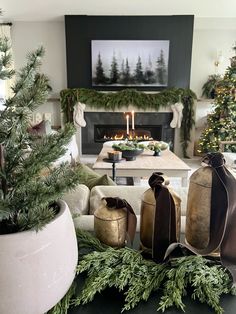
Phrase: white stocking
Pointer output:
(179, 107)
(174, 121)
(78, 115)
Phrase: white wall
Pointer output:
(209, 36)
(27, 36)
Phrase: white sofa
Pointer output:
(83, 202)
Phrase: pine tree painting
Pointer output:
(130, 62)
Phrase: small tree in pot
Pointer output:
(27, 198)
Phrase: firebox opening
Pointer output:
(103, 133)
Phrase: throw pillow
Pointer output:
(42, 128)
(90, 178)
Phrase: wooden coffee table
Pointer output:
(144, 165)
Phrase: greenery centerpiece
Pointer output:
(130, 149)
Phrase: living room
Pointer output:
(200, 38)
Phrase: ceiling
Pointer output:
(54, 10)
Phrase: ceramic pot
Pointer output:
(37, 268)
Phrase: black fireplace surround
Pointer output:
(156, 123)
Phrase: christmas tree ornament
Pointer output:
(115, 222)
(160, 217)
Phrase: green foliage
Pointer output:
(128, 145)
(5, 59)
(140, 100)
(29, 185)
(209, 87)
(126, 270)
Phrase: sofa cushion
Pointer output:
(230, 159)
(132, 194)
(90, 178)
(78, 200)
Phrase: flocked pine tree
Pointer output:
(29, 185)
(221, 123)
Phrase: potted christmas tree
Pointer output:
(38, 247)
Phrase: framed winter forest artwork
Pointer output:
(130, 62)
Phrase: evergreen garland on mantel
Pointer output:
(140, 100)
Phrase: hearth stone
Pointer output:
(158, 123)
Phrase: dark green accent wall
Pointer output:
(81, 29)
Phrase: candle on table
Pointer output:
(127, 124)
(132, 114)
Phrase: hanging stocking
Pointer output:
(79, 115)
(179, 107)
(174, 121)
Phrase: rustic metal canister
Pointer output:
(148, 210)
(110, 225)
(114, 221)
(199, 208)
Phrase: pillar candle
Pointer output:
(132, 119)
(127, 124)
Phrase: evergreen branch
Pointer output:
(87, 241)
(126, 270)
(33, 208)
(26, 74)
(44, 151)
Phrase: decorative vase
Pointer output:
(149, 212)
(37, 268)
(113, 221)
(110, 225)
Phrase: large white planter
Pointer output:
(37, 268)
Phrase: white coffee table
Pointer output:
(144, 165)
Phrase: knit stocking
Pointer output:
(79, 115)
(174, 121)
(179, 107)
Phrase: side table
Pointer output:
(114, 162)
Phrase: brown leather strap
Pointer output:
(164, 231)
(116, 202)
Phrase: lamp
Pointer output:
(219, 59)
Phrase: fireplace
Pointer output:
(104, 126)
(103, 133)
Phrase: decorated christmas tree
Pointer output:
(221, 123)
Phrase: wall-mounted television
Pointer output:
(130, 62)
